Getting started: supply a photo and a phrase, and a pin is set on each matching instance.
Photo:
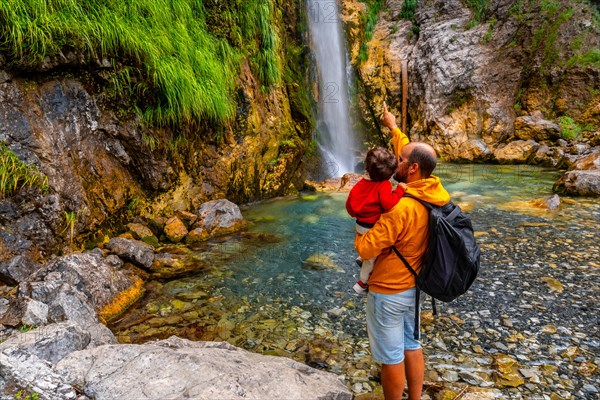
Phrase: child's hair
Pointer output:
(381, 164)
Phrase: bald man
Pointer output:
(391, 299)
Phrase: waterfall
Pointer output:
(335, 137)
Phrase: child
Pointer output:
(369, 198)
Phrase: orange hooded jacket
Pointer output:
(405, 226)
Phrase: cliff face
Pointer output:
(473, 77)
(101, 160)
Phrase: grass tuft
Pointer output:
(15, 174)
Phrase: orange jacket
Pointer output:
(405, 226)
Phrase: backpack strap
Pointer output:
(417, 292)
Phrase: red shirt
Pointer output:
(369, 199)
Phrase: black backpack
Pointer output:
(452, 257)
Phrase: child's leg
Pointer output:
(366, 269)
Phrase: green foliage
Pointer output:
(26, 394)
(408, 10)
(589, 58)
(369, 20)
(479, 9)
(24, 328)
(15, 174)
(490, 31)
(70, 222)
(569, 129)
(181, 68)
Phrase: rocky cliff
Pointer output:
(103, 160)
(498, 81)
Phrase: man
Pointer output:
(391, 299)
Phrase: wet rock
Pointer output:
(171, 265)
(219, 217)
(320, 261)
(191, 368)
(507, 372)
(583, 183)
(591, 161)
(136, 252)
(17, 269)
(175, 229)
(197, 235)
(535, 127)
(553, 284)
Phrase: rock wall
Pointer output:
(101, 160)
(470, 82)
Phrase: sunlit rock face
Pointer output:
(476, 87)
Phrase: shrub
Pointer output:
(569, 129)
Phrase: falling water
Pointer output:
(335, 135)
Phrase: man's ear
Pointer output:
(413, 169)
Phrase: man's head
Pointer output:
(417, 161)
(380, 164)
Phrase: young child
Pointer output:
(369, 198)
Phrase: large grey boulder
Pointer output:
(583, 183)
(217, 217)
(134, 251)
(179, 368)
(27, 359)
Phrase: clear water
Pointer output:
(257, 291)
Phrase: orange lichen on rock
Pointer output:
(122, 301)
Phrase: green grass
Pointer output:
(15, 174)
(408, 10)
(479, 9)
(181, 68)
(369, 19)
(589, 58)
(569, 129)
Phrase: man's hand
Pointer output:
(387, 118)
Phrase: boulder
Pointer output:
(17, 269)
(535, 127)
(178, 368)
(473, 150)
(517, 152)
(27, 359)
(583, 183)
(175, 229)
(219, 217)
(172, 265)
(134, 251)
(590, 161)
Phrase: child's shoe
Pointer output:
(361, 288)
(359, 262)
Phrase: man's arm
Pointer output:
(380, 237)
(399, 138)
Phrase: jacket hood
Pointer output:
(429, 190)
